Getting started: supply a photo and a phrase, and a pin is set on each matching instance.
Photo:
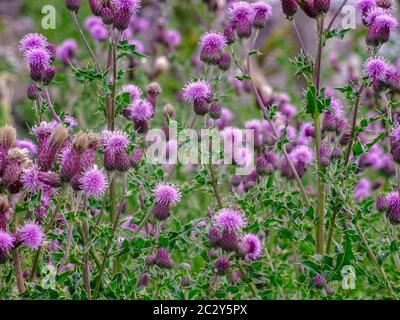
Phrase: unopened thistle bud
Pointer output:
(96, 6)
(48, 75)
(322, 6)
(289, 8)
(215, 110)
(107, 16)
(229, 34)
(224, 62)
(222, 265)
(32, 92)
(73, 5)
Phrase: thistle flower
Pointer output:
(251, 246)
(262, 12)
(38, 57)
(308, 8)
(222, 265)
(150, 260)
(266, 163)
(393, 213)
(99, 32)
(376, 68)
(123, 12)
(211, 46)
(94, 182)
(229, 34)
(381, 25)
(49, 149)
(224, 62)
(140, 110)
(167, 194)
(14, 163)
(31, 234)
(214, 235)
(73, 5)
(289, 8)
(385, 4)
(365, 5)
(334, 120)
(144, 280)
(395, 143)
(197, 91)
(96, 6)
(163, 258)
(6, 241)
(173, 38)
(215, 111)
(230, 219)
(134, 91)
(319, 281)
(325, 154)
(66, 50)
(32, 92)
(362, 189)
(33, 179)
(114, 141)
(32, 41)
(382, 203)
(241, 15)
(107, 16)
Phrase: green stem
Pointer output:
(246, 278)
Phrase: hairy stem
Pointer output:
(50, 104)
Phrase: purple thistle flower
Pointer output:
(144, 280)
(376, 68)
(382, 203)
(141, 110)
(33, 41)
(222, 265)
(251, 246)
(319, 281)
(230, 219)
(166, 194)
(229, 34)
(94, 182)
(114, 141)
(66, 50)
(214, 235)
(362, 189)
(385, 4)
(241, 14)
(31, 234)
(96, 6)
(322, 6)
(99, 32)
(224, 62)
(163, 258)
(395, 143)
(262, 11)
(129, 6)
(197, 91)
(211, 46)
(6, 241)
(325, 154)
(28, 145)
(38, 57)
(133, 90)
(393, 213)
(365, 5)
(173, 38)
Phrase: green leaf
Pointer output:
(126, 49)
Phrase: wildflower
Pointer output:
(222, 265)
(163, 258)
(96, 6)
(262, 11)
(212, 45)
(123, 11)
(308, 8)
(322, 6)
(395, 143)
(229, 34)
(115, 144)
(94, 182)
(224, 62)
(214, 235)
(33, 41)
(251, 246)
(31, 234)
(197, 91)
(32, 92)
(6, 241)
(134, 91)
(319, 281)
(66, 50)
(140, 110)
(241, 15)
(230, 219)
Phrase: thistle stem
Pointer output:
(85, 41)
(50, 104)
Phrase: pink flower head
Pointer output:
(32, 41)
(38, 57)
(31, 234)
(141, 110)
(372, 14)
(363, 189)
(230, 219)
(385, 21)
(94, 182)
(212, 45)
(114, 141)
(262, 11)
(251, 246)
(302, 154)
(30, 179)
(28, 145)
(167, 194)
(6, 241)
(65, 51)
(173, 38)
(376, 68)
(133, 90)
(197, 91)
(99, 32)
(365, 5)
(241, 14)
(129, 6)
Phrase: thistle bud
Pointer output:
(32, 92)
(289, 8)
(107, 16)
(322, 6)
(96, 6)
(215, 110)
(73, 5)
(222, 265)
(48, 75)
(224, 62)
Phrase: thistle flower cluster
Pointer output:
(383, 75)
(39, 55)
(377, 17)
(390, 204)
